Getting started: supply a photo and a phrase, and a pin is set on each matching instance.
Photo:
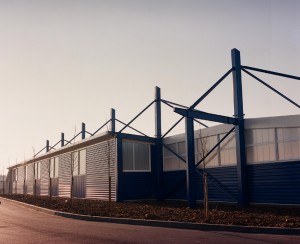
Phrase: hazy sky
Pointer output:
(67, 62)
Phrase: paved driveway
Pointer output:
(19, 224)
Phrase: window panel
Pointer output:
(171, 163)
(82, 162)
(136, 156)
(52, 166)
(127, 155)
(74, 162)
(168, 153)
(181, 148)
(26, 172)
(56, 165)
(141, 156)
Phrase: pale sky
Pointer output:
(67, 62)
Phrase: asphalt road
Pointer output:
(19, 224)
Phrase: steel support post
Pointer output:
(119, 181)
(62, 140)
(190, 170)
(47, 145)
(112, 120)
(239, 128)
(159, 147)
(82, 131)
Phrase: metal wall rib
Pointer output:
(44, 177)
(64, 175)
(79, 186)
(274, 182)
(20, 183)
(30, 179)
(54, 186)
(97, 170)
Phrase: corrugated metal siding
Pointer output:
(38, 187)
(174, 184)
(8, 182)
(44, 177)
(97, 185)
(79, 186)
(30, 180)
(222, 177)
(20, 184)
(64, 175)
(14, 187)
(274, 182)
(54, 186)
(137, 185)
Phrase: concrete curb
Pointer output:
(166, 224)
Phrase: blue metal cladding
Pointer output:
(226, 178)
(137, 185)
(276, 183)
(174, 185)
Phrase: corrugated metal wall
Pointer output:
(137, 185)
(97, 185)
(38, 187)
(274, 182)
(20, 184)
(223, 177)
(174, 184)
(8, 182)
(44, 177)
(54, 186)
(30, 180)
(79, 186)
(64, 175)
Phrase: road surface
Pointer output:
(19, 224)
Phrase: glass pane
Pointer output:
(182, 165)
(250, 154)
(52, 168)
(249, 137)
(212, 160)
(167, 152)
(74, 163)
(56, 162)
(82, 160)
(26, 172)
(127, 155)
(181, 148)
(281, 151)
(171, 163)
(141, 156)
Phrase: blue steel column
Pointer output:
(119, 183)
(112, 120)
(62, 140)
(190, 169)
(82, 131)
(47, 145)
(159, 149)
(239, 129)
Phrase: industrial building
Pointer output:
(246, 160)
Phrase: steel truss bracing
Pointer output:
(190, 114)
(237, 121)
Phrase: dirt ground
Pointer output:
(268, 216)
